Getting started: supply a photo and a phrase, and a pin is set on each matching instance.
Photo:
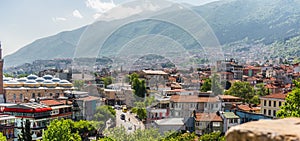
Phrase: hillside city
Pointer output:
(154, 71)
(200, 100)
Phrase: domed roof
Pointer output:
(23, 79)
(12, 81)
(48, 77)
(64, 81)
(55, 79)
(31, 81)
(7, 78)
(40, 79)
(48, 81)
(32, 77)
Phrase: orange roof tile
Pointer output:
(192, 98)
(208, 117)
(276, 96)
(51, 102)
(228, 97)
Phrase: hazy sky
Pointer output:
(24, 21)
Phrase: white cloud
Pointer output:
(77, 14)
(58, 19)
(97, 15)
(100, 6)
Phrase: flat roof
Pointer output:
(170, 121)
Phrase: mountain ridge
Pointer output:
(232, 20)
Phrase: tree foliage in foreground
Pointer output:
(61, 130)
(214, 136)
(120, 134)
(291, 106)
(2, 138)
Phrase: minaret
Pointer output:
(1, 75)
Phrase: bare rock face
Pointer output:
(266, 130)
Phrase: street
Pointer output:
(131, 125)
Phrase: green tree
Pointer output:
(149, 100)
(26, 134)
(78, 84)
(206, 86)
(141, 113)
(214, 136)
(132, 77)
(8, 75)
(84, 129)
(120, 134)
(139, 87)
(22, 75)
(261, 90)
(2, 138)
(107, 81)
(291, 106)
(243, 90)
(104, 113)
(255, 100)
(216, 86)
(176, 136)
(61, 130)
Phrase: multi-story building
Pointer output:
(33, 87)
(229, 120)
(87, 105)
(208, 122)
(37, 114)
(7, 125)
(270, 104)
(185, 105)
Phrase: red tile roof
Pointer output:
(247, 108)
(208, 117)
(228, 97)
(276, 96)
(192, 98)
(51, 102)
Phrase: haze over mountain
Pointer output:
(232, 20)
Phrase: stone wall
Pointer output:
(266, 130)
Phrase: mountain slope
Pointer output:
(232, 20)
(61, 45)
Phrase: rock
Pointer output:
(266, 130)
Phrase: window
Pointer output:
(216, 124)
(33, 95)
(265, 111)
(50, 94)
(270, 103)
(197, 124)
(279, 104)
(265, 103)
(235, 121)
(274, 104)
(269, 112)
(274, 113)
(15, 97)
(39, 94)
(21, 97)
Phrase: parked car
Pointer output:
(122, 117)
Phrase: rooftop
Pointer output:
(208, 117)
(192, 98)
(276, 96)
(230, 115)
(170, 121)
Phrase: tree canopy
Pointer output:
(61, 130)
(2, 138)
(291, 106)
(104, 113)
(243, 90)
